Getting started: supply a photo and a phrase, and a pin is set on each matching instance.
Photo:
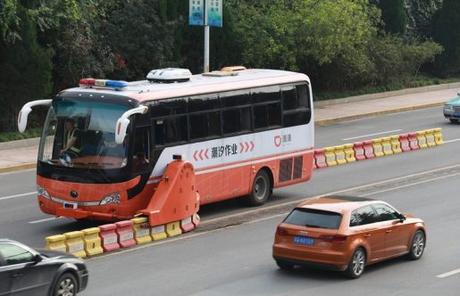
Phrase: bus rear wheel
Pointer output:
(261, 189)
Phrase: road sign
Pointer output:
(214, 13)
(196, 13)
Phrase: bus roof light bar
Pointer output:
(25, 111)
(123, 122)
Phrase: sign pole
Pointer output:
(206, 40)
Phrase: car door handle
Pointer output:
(367, 235)
(16, 275)
(388, 230)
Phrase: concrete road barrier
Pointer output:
(92, 241)
(320, 158)
(413, 141)
(125, 233)
(396, 144)
(386, 146)
(109, 237)
(159, 232)
(56, 243)
(141, 230)
(378, 149)
(173, 229)
(186, 225)
(359, 151)
(75, 244)
(368, 149)
(421, 139)
(330, 156)
(340, 154)
(349, 153)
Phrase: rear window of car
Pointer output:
(314, 218)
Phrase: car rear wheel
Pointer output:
(66, 285)
(284, 265)
(261, 189)
(417, 246)
(357, 264)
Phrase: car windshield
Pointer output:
(314, 218)
(82, 134)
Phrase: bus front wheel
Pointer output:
(261, 189)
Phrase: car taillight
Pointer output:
(281, 231)
(333, 238)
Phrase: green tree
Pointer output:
(140, 39)
(394, 16)
(26, 70)
(446, 32)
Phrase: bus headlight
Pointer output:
(42, 192)
(113, 198)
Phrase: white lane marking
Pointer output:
(451, 141)
(448, 274)
(374, 134)
(18, 195)
(409, 185)
(44, 220)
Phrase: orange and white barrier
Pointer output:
(404, 141)
(158, 232)
(125, 233)
(109, 237)
(196, 220)
(368, 149)
(359, 151)
(320, 158)
(187, 225)
(413, 141)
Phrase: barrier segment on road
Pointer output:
(75, 244)
(159, 232)
(109, 237)
(337, 155)
(141, 230)
(92, 241)
(125, 233)
(56, 243)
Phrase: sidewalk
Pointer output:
(22, 154)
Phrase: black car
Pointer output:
(25, 271)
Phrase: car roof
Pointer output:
(337, 203)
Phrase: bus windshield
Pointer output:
(81, 134)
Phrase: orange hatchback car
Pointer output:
(346, 233)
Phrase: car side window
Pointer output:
(13, 254)
(363, 216)
(385, 213)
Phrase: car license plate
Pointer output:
(70, 205)
(304, 240)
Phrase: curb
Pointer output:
(382, 95)
(326, 122)
(23, 166)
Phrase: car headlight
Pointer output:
(449, 107)
(42, 192)
(113, 198)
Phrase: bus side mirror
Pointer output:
(25, 111)
(123, 122)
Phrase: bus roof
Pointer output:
(144, 91)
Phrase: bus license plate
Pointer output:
(70, 205)
(303, 240)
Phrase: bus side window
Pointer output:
(296, 105)
(141, 152)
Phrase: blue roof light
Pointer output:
(117, 84)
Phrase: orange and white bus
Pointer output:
(242, 132)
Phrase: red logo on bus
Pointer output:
(277, 141)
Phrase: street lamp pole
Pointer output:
(206, 40)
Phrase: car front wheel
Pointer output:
(417, 246)
(357, 264)
(66, 285)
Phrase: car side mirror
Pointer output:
(402, 218)
(36, 259)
